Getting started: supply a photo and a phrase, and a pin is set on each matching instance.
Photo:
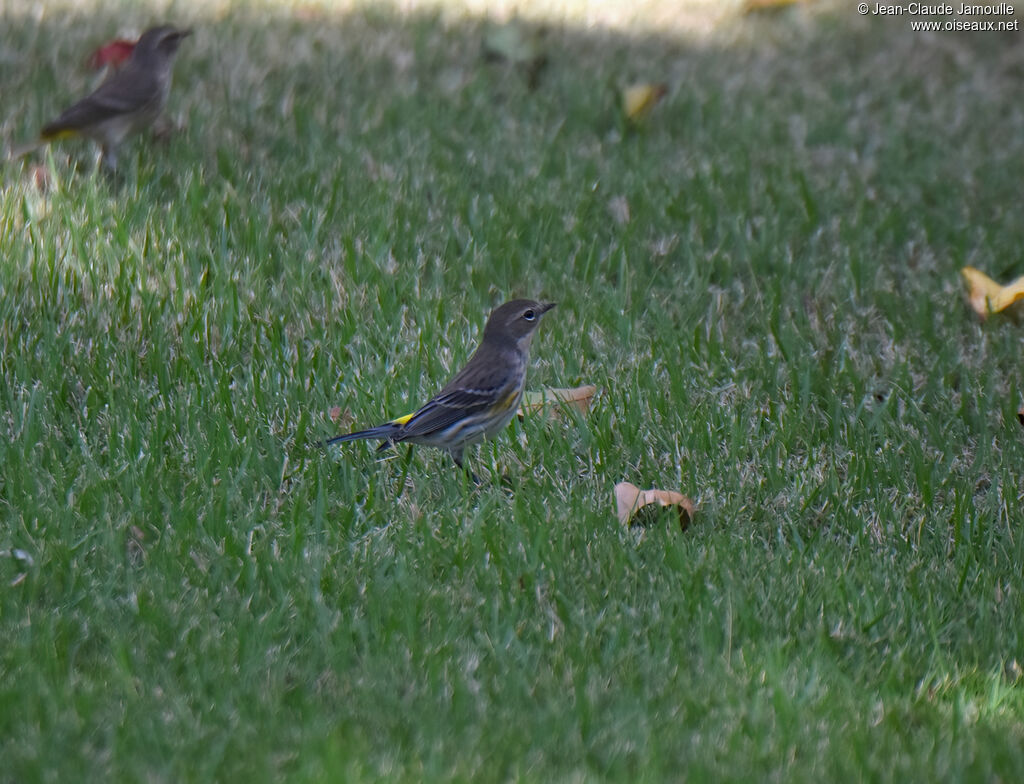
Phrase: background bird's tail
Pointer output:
(20, 150)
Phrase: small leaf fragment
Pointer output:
(630, 499)
(986, 296)
(579, 398)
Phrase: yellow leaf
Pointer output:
(639, 99)
(629, 499)
(986, 296)
(579, 398)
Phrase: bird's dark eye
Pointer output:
(529, 315)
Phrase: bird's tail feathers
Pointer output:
(385, 432)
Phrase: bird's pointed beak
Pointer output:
(185, 33)
(547, 306)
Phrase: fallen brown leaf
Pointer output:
(986, 296)
(579, 398)
(630, 499)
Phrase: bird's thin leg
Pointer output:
(405, 471)
(108, 158)
(457, 457)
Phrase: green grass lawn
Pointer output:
(192, 590)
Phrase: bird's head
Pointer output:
(162, 42)
(516, 321)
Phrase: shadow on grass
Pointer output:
(797, 103)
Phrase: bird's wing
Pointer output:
(449, 407)
(126, 91)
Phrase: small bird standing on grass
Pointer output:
(482, 397)
(129, 101)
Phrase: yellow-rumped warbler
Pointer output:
(129, 101)
(482, 397)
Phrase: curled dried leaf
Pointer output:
(986, 296)
(630, 499)
(579, 398)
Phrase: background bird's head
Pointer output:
(516, 321)
(159, 42)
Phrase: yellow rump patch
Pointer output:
(67, 133)
(511, 399)
(403, 419)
